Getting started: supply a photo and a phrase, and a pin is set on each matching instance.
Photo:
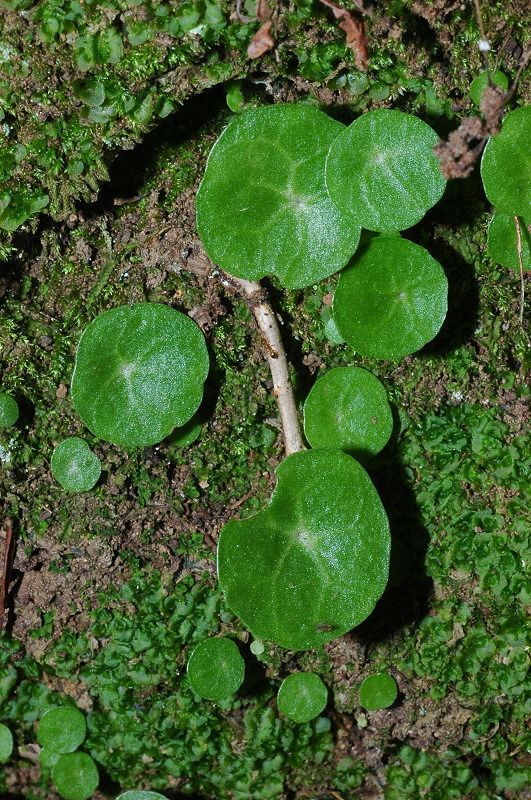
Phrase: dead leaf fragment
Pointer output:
(261, 42)
(354, 28)
(263, 12)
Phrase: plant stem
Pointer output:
(256, 298)
(5, 568)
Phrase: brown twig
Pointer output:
(521, 265)
(256, 298)
(6, 567)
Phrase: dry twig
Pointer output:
(6, 567)
(521, 265)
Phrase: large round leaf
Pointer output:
(75, 776)
(348, 408)
(382, 169)
(139, 373)
(263, 208)
(391, 300)
(312, 564)
(62, 729)
(506, 165)
(502, 242)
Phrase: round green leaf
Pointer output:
(378, 691)
(62, 729)
(139, 373)
(216, 668)
(480, 83)
(140, 795)
(506, 165)
(302, 696)
(347, 408)
(382, 169)
(263, 208)
(6, 743)
(311, 565)
(8, 410)
(75, 776)
(75, 466)
(391, 300)
(503, 242)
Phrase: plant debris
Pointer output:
(354, 28)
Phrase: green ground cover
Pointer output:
(126, 586)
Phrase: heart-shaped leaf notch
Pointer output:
(391, 300)
(506, 165)
(263, 208)
(302, 696)
(348, 408)
(311, 565)
(139, 373)
(383, 170)
(216, 669)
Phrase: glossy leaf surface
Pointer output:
(74, 465)
(502, 243)
(139, 373)
(378, 691)
(506, 165)
(302, 696)
(382, 169)
(391, 300)
(75, 776)
(8, 410)
(312, 564)
(6, 743)
(263, 208)
(347, 408)
(133, 794)
(216, 668)
(62, 729)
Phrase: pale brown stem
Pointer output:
(256, 298)
(521, 265)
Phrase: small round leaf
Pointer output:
(378, 691)
(311, 565)
(8, 410)
(75, 466)
(6, 743)
(382, 169)
(47, 758)
(506, 165)
(216, 668)
(263, 208)
(75, 776)
(503, 241)
(139, 373)
(134, 794)
(480, 83)
(348, 408)
(62, 729)
(391, 300)
(302, 696)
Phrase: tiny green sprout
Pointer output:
(302, 696)
(134, 794)
(139, 373)
(480, 83)
(75, 466)
(348, 408)
(382, 169)
(502, 243)
(506, 165)
(317, 553)
(6, 743)
(391, 300)
(8, 410)
(378, 691)
(270, 162)
(62, 729)
(75, 776)
(215, 668)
